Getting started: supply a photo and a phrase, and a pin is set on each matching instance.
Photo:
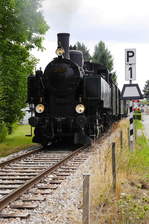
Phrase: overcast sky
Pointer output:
(120, 24)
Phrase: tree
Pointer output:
(22, 22)
(81, 47)
(22, 27)
(103, 56)
(146, 89)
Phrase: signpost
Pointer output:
(130, 64)
(130, 91)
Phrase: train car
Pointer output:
(71, 99)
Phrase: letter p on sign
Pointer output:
(130, 56)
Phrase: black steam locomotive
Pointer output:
(72, 99)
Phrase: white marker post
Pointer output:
(130, 74)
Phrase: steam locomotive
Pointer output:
(72, 99)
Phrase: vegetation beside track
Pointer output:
(130, 203)
(16, 141)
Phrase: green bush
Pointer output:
(137, 115)
(3, 131)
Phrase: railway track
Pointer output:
(39, 172)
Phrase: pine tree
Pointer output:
(103, 56)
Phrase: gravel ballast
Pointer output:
(64, 205)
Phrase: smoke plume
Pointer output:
(59, 13)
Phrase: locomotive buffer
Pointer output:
(131, 91)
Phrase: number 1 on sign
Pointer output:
(130, 72)
(130, 69)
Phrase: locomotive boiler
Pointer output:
(72, 99)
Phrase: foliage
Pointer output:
(22, 28)
(132, 210)
(14, 71)
(3, 132)
(137, 115)
(22, 22)
(81, 47)
(103, 56)
(114, 77)
(146, 90)
(138, 124)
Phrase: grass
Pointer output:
(138, 124)
(16, 141)
(133, 204)
(130, 203)
(140, 158)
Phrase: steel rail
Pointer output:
(15, 194)
(37, 149)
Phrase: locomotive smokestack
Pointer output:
(63, 41)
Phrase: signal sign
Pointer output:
(130, 64)
(131, 92)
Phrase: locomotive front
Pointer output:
(56, 99)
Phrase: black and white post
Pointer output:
(130, 75)
(131, 130)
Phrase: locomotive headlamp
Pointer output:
(40, 108)
(60, 51)
(80, 108)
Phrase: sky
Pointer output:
(120, 24)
